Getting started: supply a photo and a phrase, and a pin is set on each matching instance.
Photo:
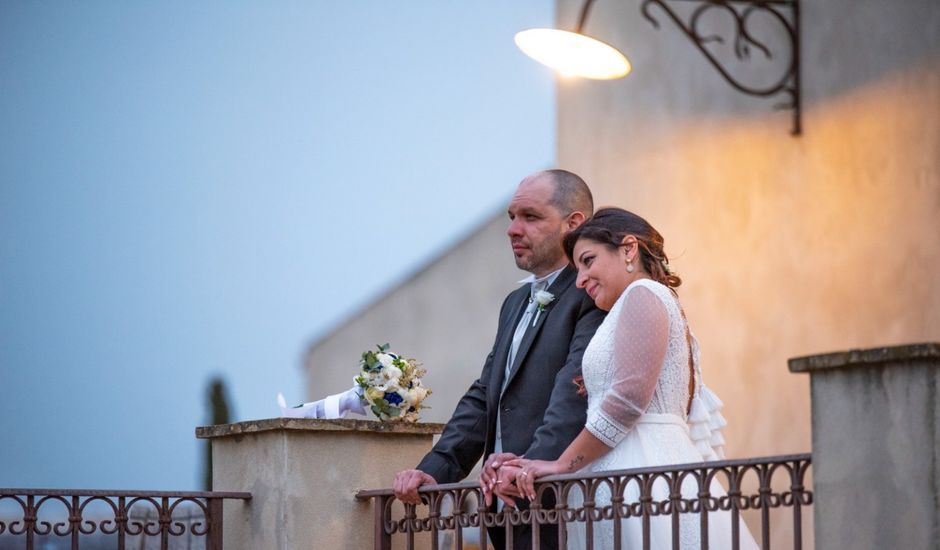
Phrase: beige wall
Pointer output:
(788, 246)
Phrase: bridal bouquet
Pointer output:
(390, 385)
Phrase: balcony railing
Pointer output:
(689, 492)
(53, 518)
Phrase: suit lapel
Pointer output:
(561, 284)
(517, 305)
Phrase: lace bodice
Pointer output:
(637, 362)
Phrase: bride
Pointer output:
(643, 384)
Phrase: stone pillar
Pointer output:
(876, 446)
(303, 475)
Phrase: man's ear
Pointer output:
(575, 219)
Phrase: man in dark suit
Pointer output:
(525, 401)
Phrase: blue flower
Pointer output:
(393, 398)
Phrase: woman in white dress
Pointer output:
(646, 404)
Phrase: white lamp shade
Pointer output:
(573, 54)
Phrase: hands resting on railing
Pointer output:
(497, 478)
(502, 476)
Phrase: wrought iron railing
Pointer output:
(675, 494)
(53, 518)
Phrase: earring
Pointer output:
(629, 266)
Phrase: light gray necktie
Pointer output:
(523, 325)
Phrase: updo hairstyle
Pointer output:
(610, 225)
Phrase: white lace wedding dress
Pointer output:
(637, 373)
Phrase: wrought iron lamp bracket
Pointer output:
(784, 12)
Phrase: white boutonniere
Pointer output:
(542, 299)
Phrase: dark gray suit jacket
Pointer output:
(541, 410)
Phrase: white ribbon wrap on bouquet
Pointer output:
(333, 406)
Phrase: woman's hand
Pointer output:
(529, 471)
(489, 474)
(506, 488)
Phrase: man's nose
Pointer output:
(514, 229)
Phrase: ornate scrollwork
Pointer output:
(106, 526)
(62, 513)
(786, 13)
(672, 491)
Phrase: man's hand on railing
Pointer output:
(407, 483)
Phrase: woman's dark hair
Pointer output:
(609, 226)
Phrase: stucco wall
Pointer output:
(788, 246)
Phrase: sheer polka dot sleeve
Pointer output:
(640, 345)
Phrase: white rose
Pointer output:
(543, 297)
(385, 359)
(391, 372)
(416, 395)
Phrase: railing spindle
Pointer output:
(765, 507)
(30, 521)
(215, 542)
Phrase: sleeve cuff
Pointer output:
(605, 428)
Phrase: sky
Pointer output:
(191, 189)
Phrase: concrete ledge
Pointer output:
(866, 357)
(314, 425)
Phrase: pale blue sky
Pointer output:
(192, 188)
